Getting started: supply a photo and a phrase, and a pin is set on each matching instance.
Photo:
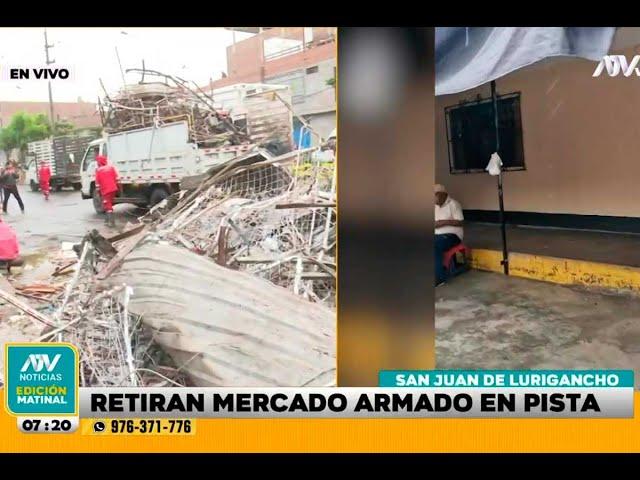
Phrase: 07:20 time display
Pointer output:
(37, 425)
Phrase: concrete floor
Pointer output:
(615, 248)
(490, 321)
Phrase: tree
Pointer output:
(95, 131)
(22, 129)
(63, 128)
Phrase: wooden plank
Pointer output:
(315, 276)
(284, 206)
(33, 297)
(271, 260)
(122, 253)
(222, 246)
(63, 269)
(45, 290)
(20, 305)
(127, 234)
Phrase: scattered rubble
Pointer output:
(260, 237)
(170, 99)
(274, 219)
(230, 281)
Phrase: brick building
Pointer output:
(80, 114)
(302, 57)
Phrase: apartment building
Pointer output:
(303, 58)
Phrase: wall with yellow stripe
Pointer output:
(559, 270)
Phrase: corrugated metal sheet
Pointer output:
(229, 328)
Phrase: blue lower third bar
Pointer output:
(507, 378)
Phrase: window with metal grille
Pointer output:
(471, 134)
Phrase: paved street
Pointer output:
(65, 217)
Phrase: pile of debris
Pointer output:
(153, 104)
(229, 282)
(156, 103)
(275, 219)
(115, 349)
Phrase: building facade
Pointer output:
(302, 58)
(570, 142)
(81, 114)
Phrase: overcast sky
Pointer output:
(191, 53)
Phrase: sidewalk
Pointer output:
(613, 248)
(568, 257)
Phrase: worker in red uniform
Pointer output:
(44, 176)
(107, 183)
(9, 248)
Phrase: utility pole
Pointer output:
(49, 62)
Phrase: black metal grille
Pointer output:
(472, 137)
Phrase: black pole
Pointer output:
(505, 252)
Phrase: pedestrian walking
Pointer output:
(10, 186)
(107, 183)
(44, 177)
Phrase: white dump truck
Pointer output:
(152, 161)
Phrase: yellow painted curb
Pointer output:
(559, 270)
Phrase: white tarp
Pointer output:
(467, 57)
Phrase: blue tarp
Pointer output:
(305, 141)
(467, 57)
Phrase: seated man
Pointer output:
(9, 248)
(449, 232)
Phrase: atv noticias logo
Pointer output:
(41, 379)
(39, 361)
(36, 73)
(616, 65)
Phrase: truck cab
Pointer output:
(88, 172)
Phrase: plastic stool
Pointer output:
(450, 261)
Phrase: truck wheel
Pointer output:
(34, 186)
(77, 186)
(157, 195)
(97, 202)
